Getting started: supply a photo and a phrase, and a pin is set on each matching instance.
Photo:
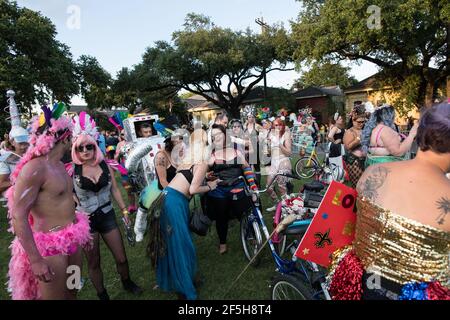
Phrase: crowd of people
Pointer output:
(52, 233)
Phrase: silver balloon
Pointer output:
(139, 151)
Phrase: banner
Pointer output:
(332, 227)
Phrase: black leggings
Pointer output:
(224, 209)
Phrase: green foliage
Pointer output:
(32, 61)
(326, 74)
(94, 83)
(218, 63)
(412, 35)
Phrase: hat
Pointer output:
(19, 134)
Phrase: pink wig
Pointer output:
(85, 139)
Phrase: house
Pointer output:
(201, 109)
(368, 90)
(324, 101)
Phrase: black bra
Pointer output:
(188, 174)
(88, 184)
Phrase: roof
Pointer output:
(372, 83)
(369, 83)
(315, 92)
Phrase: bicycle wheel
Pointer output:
(306, 167)
(288, 287)
(251, 239)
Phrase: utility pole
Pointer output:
(264, 28)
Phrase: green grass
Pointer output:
(218, 271)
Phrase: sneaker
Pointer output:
(131, 287)
(271, 209)
(139, 237)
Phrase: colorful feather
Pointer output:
(47, 115)
(58, 110)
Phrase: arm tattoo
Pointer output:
(161, 161)
(369, 187)
(443, 204)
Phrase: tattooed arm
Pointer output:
(161, 163)
(371, 182)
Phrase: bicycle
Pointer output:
(311, 166)
(305, 280)
(252, 226)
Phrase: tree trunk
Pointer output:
(448, 89)
(429, 94)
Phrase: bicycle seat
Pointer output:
(313, 186)
(298, 227)
(312, 200)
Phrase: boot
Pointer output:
(131, 287)
(103, 295)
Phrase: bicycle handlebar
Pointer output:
(267, 188)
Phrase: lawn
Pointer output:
(218, 271)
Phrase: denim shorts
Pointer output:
(102, 222)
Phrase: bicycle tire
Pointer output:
(301, 168)
(251, 240)
(289, 287)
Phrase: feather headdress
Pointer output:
(84, 124)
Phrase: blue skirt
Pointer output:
(176, 270)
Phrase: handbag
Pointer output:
(199, 222)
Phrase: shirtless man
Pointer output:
(48, 231)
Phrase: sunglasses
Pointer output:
(88, 147)
(361, 122)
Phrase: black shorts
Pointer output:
(102, 222)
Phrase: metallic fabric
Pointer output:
(400, 249)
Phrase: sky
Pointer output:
(118, 32)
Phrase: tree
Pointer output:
(219, 64)
(94, 82)
(404, 38)
(326, 74)
(32, 62)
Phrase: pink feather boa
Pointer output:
(22, 284)
(40, 145)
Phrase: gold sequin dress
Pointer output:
(400, 249)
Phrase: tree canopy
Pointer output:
(326, 74)
(32, 61)
(405, 38)
(94, 83)
(217, 63)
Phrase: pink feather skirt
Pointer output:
(22, 284)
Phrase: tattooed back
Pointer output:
(410, 189)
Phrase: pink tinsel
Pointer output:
(22, 284)
(347, 279)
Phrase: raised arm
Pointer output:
(161, 163)
(392, 143)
